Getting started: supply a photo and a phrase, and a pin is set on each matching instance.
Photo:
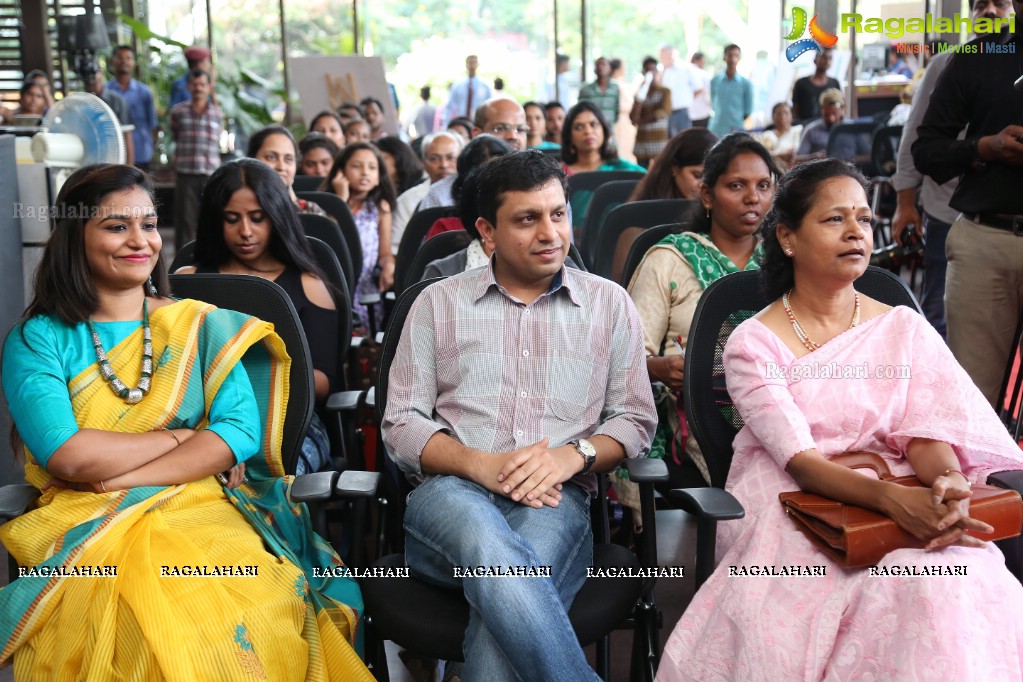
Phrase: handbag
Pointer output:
(855, 537)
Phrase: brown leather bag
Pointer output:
(856, 537)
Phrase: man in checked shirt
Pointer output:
(511, 385)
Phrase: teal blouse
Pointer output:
(580, 201)
(43, 354)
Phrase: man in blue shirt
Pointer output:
(466, 96)
(731, 96)
(140, 103)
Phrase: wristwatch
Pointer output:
(586, 451)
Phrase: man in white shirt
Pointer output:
(700, 111)
(680, 79)
(466, 96)
(440, 154)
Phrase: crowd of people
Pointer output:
(152, 426)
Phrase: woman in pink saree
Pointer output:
(823, 371)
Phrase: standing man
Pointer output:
(511, 386)
(466, 96)
(938, 216)
(140, 103)
(680, 79)
(603, 92)
(196, 126)
(731, 96)
(700, 112)
(806, 91)
(984, 282)
(197, 58)
(499, 116)
(422, 123)
(95, 84)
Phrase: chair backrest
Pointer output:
(725, 304)
(307, 183)
(438, 246)
(395, 325)
(331, 269)
(884, 149)
(412, 238)
(851, 140)
(184, 256)
(1010, 397)
(605, 197)
(591, 181)
(263, 299)
(337, 208)
(644, 242)
(643, 214)
(327, 231)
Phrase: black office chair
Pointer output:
(643, 243)
(412, 238)
(724, 305)
(337, 208)
(852, 142)
(439, 246)
(604, 198)
(307, 183)
(591, 181)
(431, 620)
(884, 149)
(1010, 396)
(644, 214)
(327, 231)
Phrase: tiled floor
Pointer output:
(676, 538)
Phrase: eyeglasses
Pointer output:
(502, 128)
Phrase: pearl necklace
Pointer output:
(798, 328)
(129, 395)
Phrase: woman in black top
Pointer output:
(248, 226)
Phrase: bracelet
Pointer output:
(956, 471)
(103, 486)
(174, 436)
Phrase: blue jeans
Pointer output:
(518, 627)
(935, 265)
(678, 121)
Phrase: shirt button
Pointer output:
(527, 311)
(525, 353)
(519, 432)
(523, 394)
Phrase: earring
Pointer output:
(707, 209)
(788, 252)
(151, 287)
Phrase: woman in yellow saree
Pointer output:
(142, 560)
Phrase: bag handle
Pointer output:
(864, 460)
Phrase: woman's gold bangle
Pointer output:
(103, 486)
(956, 471)
(174, 436)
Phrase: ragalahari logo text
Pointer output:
(819, 39)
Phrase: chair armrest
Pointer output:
(371, 397)
(708, 503)
(1013, 480)
(15, 498)
(390, 296)
(357, 484)
(379, 338)
(343, 401)
(643, 470)
(369, 299)
(357, 341)
(316, 487)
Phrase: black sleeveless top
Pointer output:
(320, 324)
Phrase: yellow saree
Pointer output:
(195, 582)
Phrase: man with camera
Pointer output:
(984, 284)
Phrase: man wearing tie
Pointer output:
(466, 95)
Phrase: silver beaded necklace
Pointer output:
(129, 395)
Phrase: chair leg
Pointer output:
(376, 655)
(604, 657)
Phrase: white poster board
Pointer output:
(329, 82)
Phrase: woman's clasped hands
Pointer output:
(940, 514)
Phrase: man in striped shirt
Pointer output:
(196, 125)
(511, 385)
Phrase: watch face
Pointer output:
(586, 447)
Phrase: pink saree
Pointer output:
(898, 382)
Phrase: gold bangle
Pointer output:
(174, 436)
(103, 486)
(956, 471)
